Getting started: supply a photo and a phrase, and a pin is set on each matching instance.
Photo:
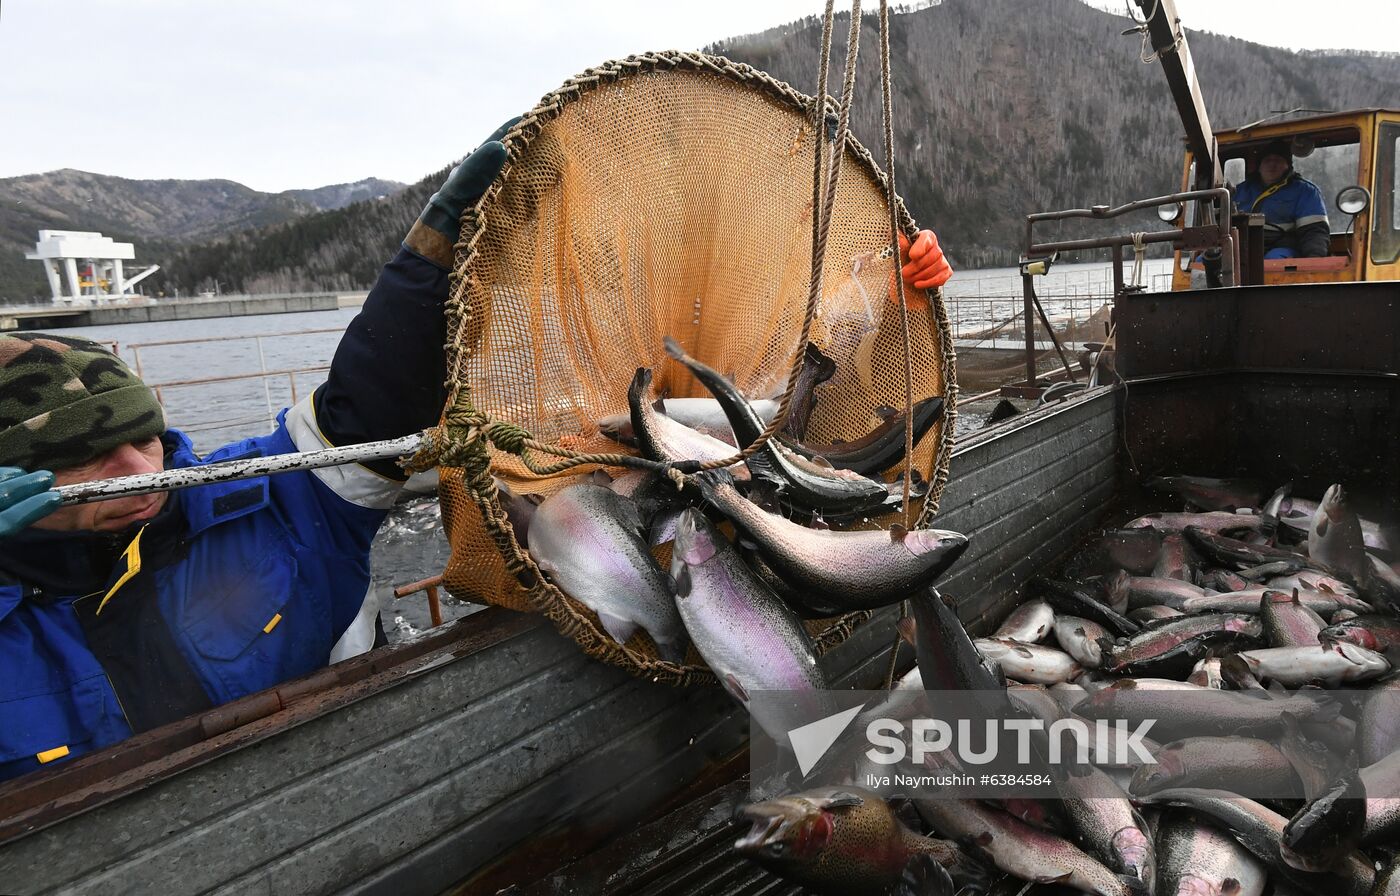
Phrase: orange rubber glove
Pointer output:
(923, 264)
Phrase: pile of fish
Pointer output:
(741, 602)
(1223, 624)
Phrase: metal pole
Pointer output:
(267, 387)
(1055, 341)
(1029, 322)
(231, 470)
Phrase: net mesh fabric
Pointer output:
(663, 195)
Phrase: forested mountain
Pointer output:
(158, 215)
(335, 250)
(1002, 107)
(1005, 107)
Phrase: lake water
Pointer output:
(411, 545)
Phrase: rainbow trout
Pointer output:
(881, 448)
(592, 544)
(1171, 647)
(841, 840)
(1335, 540)
(1217, 763)
(661, 438)
(1197, 860)
(1260, 830)
(1330, 666)
(1028, 623)
(747, 636)
(1024, 851)
(1080, 638)
(835, 571)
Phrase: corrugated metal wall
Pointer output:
(419, 786)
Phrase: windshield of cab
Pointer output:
(1332, 161)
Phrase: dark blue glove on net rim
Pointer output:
(466, 184)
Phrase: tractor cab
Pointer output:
(1351, 157)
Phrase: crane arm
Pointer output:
(1163, 29)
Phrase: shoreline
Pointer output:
(57, 317)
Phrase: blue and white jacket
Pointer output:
(1295, 216)
(233, 587)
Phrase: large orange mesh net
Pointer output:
(668, 194)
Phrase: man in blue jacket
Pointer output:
(122, 615)
(1295, 217)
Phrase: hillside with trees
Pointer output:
(1002, 107)
(159, 216)
(1005, 107)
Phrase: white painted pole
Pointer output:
(231, 470)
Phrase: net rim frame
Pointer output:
(540, 594)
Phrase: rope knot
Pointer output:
(455, 443)
(507, 437)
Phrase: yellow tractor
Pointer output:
(1351, 157)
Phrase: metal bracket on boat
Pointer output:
(230, 470)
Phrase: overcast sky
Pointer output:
(278, 94)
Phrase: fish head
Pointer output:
(1329, 511)
(1369, 662)
(1339, 633)
(1328, 827)
(1169, 769)
(796, 830)
(641, 385)
(941, 546)
(1334, 500)
(617, 427)
(1136, 853)
(696, 539)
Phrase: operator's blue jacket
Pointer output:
(1295, 217)
(233, 587)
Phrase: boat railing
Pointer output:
(277, 384)
(1213, 238)
(290, 375)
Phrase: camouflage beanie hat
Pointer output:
(64, 401)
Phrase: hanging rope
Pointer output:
(1139, 258)
(823, 201)
(887, 109)
(1142, 26)
(888, 114)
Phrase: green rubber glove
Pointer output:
(464, 186)
(24, 498)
